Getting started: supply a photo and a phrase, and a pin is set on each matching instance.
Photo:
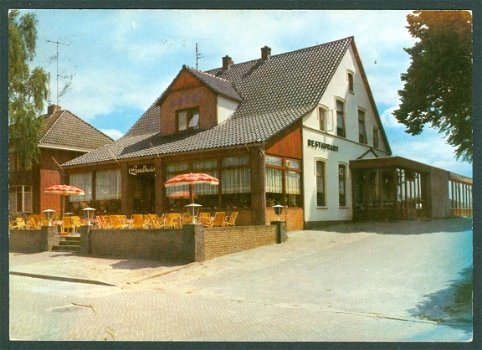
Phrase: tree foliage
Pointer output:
(27, 89)
(438, 83)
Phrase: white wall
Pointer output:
(347, 148)
(225, 108)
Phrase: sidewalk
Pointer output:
(66, 266)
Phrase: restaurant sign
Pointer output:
(321, 145)
(141, 169)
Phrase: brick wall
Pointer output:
(293, 217)
(174, 245)
(27, 241)
(226, 240)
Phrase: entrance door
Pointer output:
(144, 194)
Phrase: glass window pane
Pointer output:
(276, 161)
(293, 164)
(108, 184)
(182, 120)
(274, 180)
(194, 122)
(205, 164)
(177, 167)
(293, 182)
(84, 182)
(234, 161)
(236, 181)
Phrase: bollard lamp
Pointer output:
(278, 208)
(50, 214)
(194, 210)
(88, 214)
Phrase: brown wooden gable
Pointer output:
(287, 143)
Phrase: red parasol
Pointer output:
(181, 194)
(191, 179)
(64, 190)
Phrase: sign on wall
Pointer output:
(321, 145)
(141, 169)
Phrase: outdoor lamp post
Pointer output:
(193, 207)
(278, 208)
(88, 214)
(50, 215)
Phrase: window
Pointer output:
(322, 118)
(362, 133)
(350, 82)
(108, 184)
(283, 181)
(342, 185)
(340, 118)
(205, 193)
(20, 199)
(375, 137)
(84, 182)
(320, 184)
(236, 182)
(187, 119)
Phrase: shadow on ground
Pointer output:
(403, 227)
(132, 264)
(451, 306)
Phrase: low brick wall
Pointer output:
(174, 245)
(293, 216)
(226, 240)
(27, 241)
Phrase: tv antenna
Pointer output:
(198, 56)
(57, 43)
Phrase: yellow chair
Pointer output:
(186, 218)
(103, 221)
(77, 222)
(18, 224)
(119, 221)
(153, 220)
(173, 220)
(204, 218)
(67, 225)
(34, 222)
(218, 220)
(231, 220)
(138, 221)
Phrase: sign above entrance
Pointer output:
(321, 145)
(141, 169)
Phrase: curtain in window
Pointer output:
(293, 182)
(205, 189)
(236, 181)
(108, 184)
(27, 199)
(84, 182)
(274, 180)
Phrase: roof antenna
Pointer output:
(198, 56)
(57, 43)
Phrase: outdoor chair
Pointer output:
(186, 218)
(77, 222)
(173, 220)
(34, 222)
(119, 221)
(204, 218)
(67, 225)
(231, 220)
(18, 224)
(218, 220)
(154, 221)
(138, 221)
(103, 221)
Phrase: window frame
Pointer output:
(362, 137)
(323, 177)
(376, 137)
(190, 113)
(343, 117)
(350, 77)
(342, 182)
(285, 168)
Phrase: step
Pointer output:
(66, 248)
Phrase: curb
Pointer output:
(64, 279)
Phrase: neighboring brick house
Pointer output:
(280, 129)
(64, 137)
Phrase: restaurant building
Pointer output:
(64, 136)
(299, 129)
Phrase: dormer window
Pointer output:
(187, 119)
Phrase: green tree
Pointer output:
(438, 83)
(27, 89)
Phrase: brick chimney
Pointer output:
(51, 109)
(227, 62)
(265, 53)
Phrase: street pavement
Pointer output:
(355, 282)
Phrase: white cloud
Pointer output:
(113, 133)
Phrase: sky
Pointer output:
(119, 61)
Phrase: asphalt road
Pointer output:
(364, 282)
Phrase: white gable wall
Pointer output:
(343, 149)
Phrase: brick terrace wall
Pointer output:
(293, 217)
(27, 241)
(226, 240)
(173, 245)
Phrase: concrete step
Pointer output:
(66, 248)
